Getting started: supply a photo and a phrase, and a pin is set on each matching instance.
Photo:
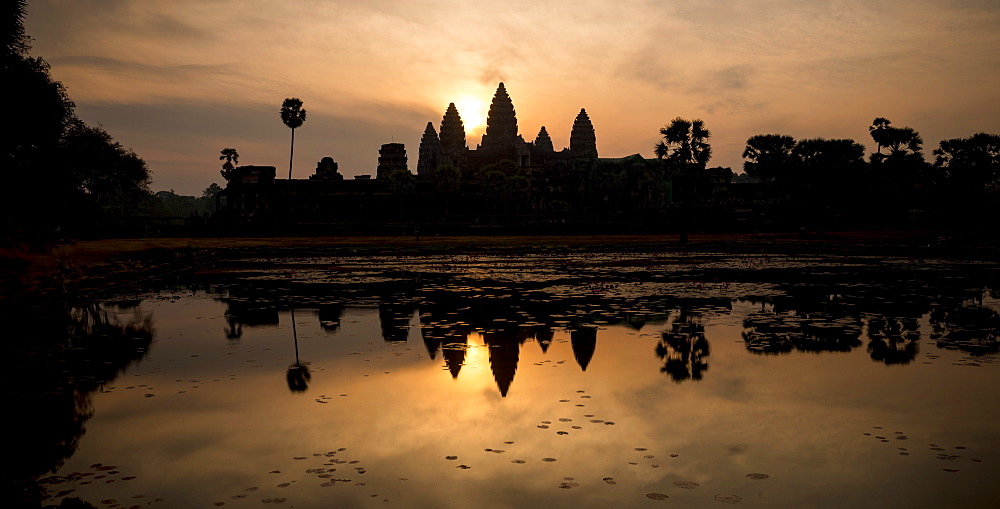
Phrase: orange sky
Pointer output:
(178, 80)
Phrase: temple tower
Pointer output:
(429, 156)
(582, 140)
(327, 169)
(453, 149)
(391, 157)
(501, 125)
(542, 142)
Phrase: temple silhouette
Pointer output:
(504, 180)
(500, 142)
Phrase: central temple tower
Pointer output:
(501, 127)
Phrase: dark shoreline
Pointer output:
(86, 267)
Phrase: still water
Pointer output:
(552, 380)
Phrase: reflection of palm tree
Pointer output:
(298, 377)
(234, 328)
(293, 116)
(893, 340)
(298, 374)
(683, 350)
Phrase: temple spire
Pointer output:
(430, 151)
(452, 130)
(582, 140)
(501, 123)
(453, 149)
(543, 142)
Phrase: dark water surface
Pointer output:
(553, 380)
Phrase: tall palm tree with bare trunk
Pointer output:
(293, 116)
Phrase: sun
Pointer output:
(473, 112)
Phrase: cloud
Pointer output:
(733, 77)
(181, 72)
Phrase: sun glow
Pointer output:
(473, 112)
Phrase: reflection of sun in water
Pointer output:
(476, 354)
(473, 112)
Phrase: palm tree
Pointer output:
(685, 142)
(232, 159)
(231, 156)
(293, 116)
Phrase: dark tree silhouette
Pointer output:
(15, 42)
(113, 176)
(968, 170)
(232, 159)
(901, 142)
(447, 179)
(898, 177)
(879, 124)
(972, 162)
(293, 116)
(211, 191)
(685, 142)
(496, 182)
(79, 169)
(768, 156)
(818, 155)
(447, 182)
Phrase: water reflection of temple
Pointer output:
(449, 332)
(250, 313)
(889, 320)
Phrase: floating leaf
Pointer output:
(728, 499)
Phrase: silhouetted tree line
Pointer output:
(62, 175)
(169, 203)
(827, 183)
